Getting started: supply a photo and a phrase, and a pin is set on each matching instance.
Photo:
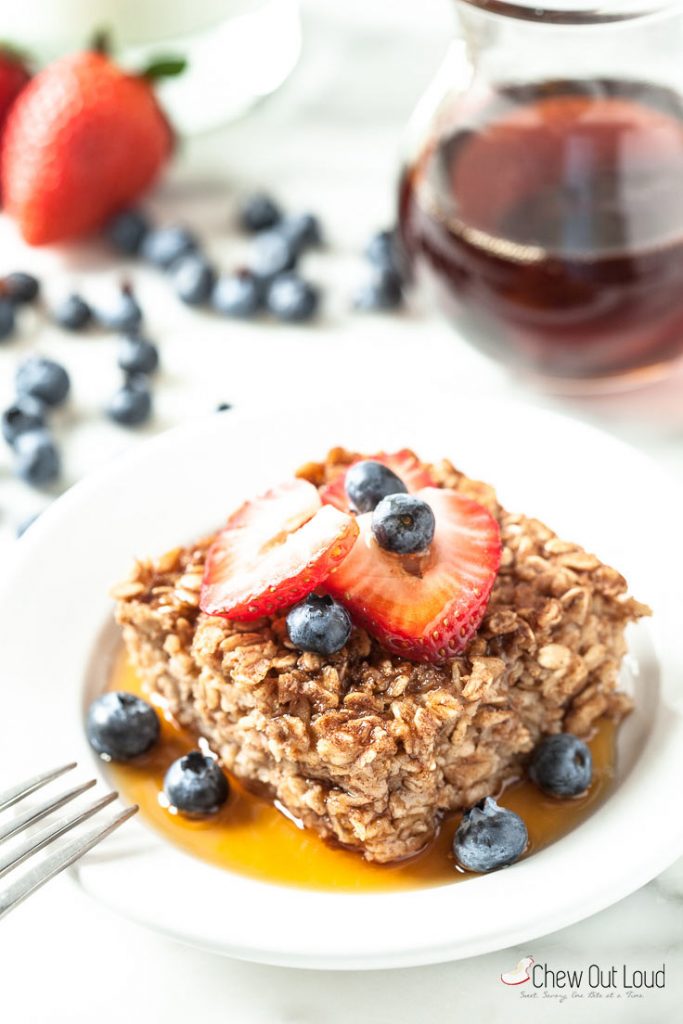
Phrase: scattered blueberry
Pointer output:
(382, 251)
(137, 354)
(302, 231)
(20, 288)
(237, 295)
(195, 785)
(223, 407)
(258, 212)
(122, 312)
(121, 726)
(367, 482)
(292, 299)
(132, 404)
(489, 837)
(403, 523)
(25, 523)
(25, 413)
(72, 313)
(562, 765)
(164, 246)
(7, 320)
(44, 379)
(127, 231)
(271, 254)
(319, 624)
(382, 290)
(37, 459)
(193, 278)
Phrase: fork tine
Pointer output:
(16, 793)
(58, 861)
(34, 814)
(51, 832)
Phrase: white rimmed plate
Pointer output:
(54, 612)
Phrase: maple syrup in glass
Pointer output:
(547, 216)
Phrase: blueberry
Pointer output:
(489, 837)
(271, 254)
(37, 459)
(292, 299)
(44, 379)
(382, 290)
(382, 251)
(121, 726)
(20, 288)
(193, 278)
(562, 765)
(223, 407)
(195, 785)
(137, 354)
(132, 404)
(164, 246)
(368, 482)
(237, 295)
(319, 624)
(122, 312)
(7, 319)
(302, 231)
(25, 523)
(403, 523)
(25, 413)
(72, 313)
(127, 231)
(258, 212)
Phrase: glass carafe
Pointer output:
(542, 194)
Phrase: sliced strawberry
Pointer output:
(405, 464)
(273, 551)
(424, 607)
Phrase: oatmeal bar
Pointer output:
(367, 748)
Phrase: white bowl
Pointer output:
(56, 620)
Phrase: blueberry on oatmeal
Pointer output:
(319, 624)
(367, 482)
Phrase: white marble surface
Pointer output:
(330, 141)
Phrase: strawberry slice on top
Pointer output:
(274, 550)
(425, 607)
(405, 464)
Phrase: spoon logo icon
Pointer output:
(520, 972)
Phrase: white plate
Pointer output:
(54, 607)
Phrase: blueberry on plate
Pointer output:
(403, 523)
(271, 254)
(382, 290)
(164, 246)
(195, 785)
(489, 837)
(44, 379)
(291, 299)
(319, 624)
(7, 318)
(137, 355)
(127, 230)
(302, 231)
(122, 312)
(258, 212)
(20, 288)
(25, 413)
(193, 278)
(131, 405)
(73, 313)
(382, 251)
(36, 457)
(237, 295)
(121, 726)
(561, 765)
(367, 482)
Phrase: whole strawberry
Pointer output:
(83, 140)
(13, 77)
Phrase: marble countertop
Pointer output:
(329, 141)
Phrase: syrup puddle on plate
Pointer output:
(252, 837)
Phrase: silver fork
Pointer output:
(66, 853)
